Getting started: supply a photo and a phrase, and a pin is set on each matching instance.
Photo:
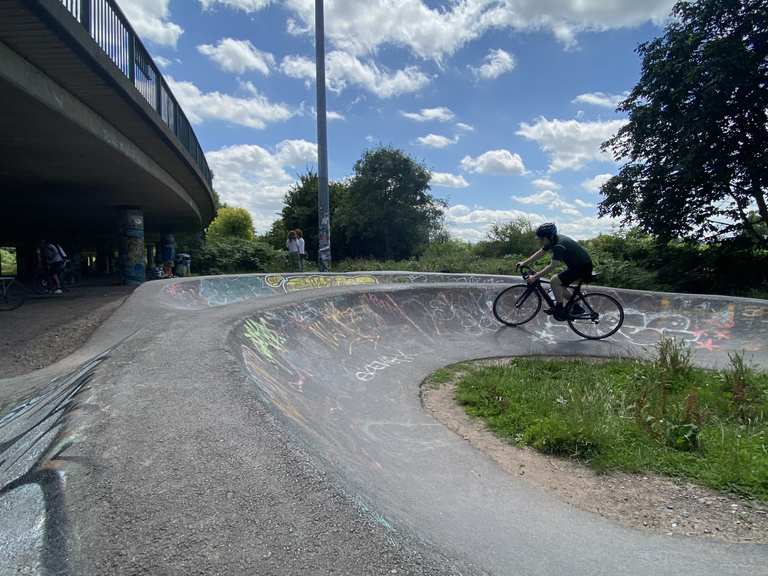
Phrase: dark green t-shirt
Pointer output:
(571, 252)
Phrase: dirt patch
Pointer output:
(46, 329)
(649, 502)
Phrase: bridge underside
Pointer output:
(78, 142)
(58, 178)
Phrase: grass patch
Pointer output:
(664, 416)
(448, 374)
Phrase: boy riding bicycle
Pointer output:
(566, 251)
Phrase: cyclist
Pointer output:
(56, 260)
(566, 251)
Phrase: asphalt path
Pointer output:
(273, 425)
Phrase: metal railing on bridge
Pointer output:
(109, 27)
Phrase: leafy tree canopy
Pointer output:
(696, 145)
(231, 223)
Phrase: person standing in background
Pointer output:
(293, 249)
(302, 248)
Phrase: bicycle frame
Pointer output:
(576, 294)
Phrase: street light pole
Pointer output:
(323, 200)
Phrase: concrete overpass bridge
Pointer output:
(95, 150)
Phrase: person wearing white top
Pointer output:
(293, 248)
(302, 251)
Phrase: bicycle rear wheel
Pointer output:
(517, 305)
(603, 316)
(12, 296)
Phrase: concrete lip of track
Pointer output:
(337, 360)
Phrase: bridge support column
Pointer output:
(132, 257)
(168, 248)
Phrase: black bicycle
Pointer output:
(592, 315)
(12, 293)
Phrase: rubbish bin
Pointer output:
(183, 264)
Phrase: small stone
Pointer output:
(674, 524)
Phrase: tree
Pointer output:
(231, 223)
(696, 143)
(388, 210)
(515, 237)
(300, 211)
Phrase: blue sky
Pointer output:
(506, 101)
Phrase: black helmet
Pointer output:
(548, 230)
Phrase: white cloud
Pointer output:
(434, 33)
(448, 180)
(545, 197)
(299, 67)
(494, 162)
(437, 141)
(546, 184)
(344, 70)
(238, 56)
(254, 110)
(601, 99)
(496, 63)
(256, 178)
(441, 114)
(244, 5)
(162, 61)
(595, 184)
(331, 116)
(150, 20)
(473, 224)
(571, 144)
(583, 204)
(465, 127)
(586, 227)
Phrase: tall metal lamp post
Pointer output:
(323, 200)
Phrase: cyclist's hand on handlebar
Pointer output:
(520, 265)
(533, 278)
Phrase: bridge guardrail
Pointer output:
(109, 28)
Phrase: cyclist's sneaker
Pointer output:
(58, 292)
(558, 312)
(578, 310)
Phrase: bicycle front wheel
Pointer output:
(517, 305)
(603, 316)
(12, 296)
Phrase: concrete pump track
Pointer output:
(140, 453)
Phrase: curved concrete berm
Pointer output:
(338, 361)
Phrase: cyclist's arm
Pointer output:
(533, 258)
(555, 264)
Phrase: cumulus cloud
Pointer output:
(585, 227)
(344, 70)
(494, 162)
(244, 5)
(446, 180)
(238, 56)
(465, 127)
(545, 184)
(496, 63)
(257, 178)
(545, 197)
(583, 204)
(436, 141)
(150, 19)
(440, 114)
(254, 110)
(162, 61)
(473, 224)
(601, 99)
(436, 32)
(571, 144)
(595, 184)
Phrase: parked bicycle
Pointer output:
(592, 315)
(12, 293)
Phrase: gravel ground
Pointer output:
(49, 328)
(651, 502)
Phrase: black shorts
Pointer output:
(571, 275)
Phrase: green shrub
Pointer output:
(236, 255)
